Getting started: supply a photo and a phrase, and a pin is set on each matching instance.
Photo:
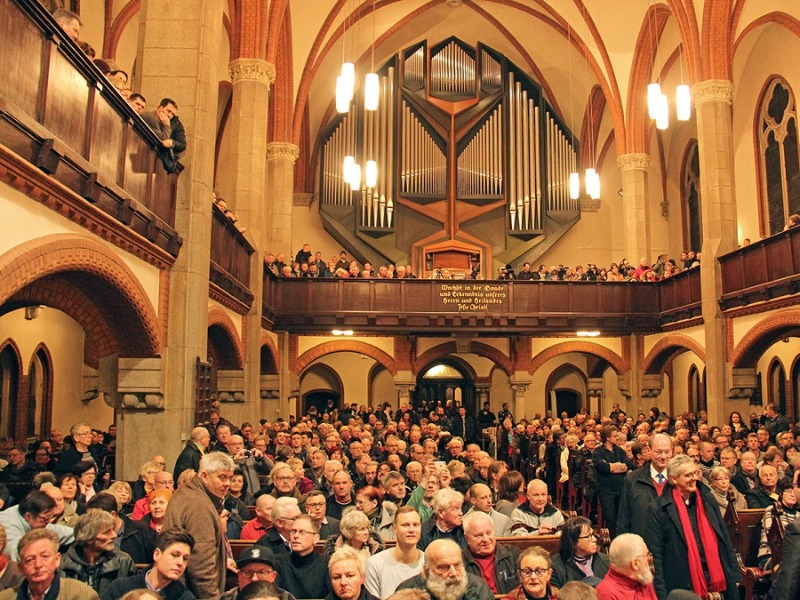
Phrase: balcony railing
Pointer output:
(766, 269)
(59, 113)
(230, 259)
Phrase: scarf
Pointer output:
(584, 563)
(710, 546)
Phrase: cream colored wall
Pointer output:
(307, 229)
(383, 390)
(308, 342)
(537, 401)
(500, 392)
(353, 369)
(64, 339)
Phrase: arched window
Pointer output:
(40, 395)
(778, 153)
(696, 396)
(691, 197)
(9, 390)
(776, 390)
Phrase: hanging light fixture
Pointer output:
(349, 162)
(371, 174)
(654, 89)
(345, 82)
(371, 81)
(574, 178)
(355, 177)
(342, 100)
(591, 177)
(662, 112)
(683, 102)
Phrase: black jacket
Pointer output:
(273, 540)
(786, 584)
(431, 532)
(566, 572)
(665, 538)
(505, 567)
(110, 567)
(138, 541)
(120, 587)
(607, 481)
(189, 458)
(638, 494)
(759, 498)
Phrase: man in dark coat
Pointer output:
(189, 458)
(644, 485)
(482, 547)
(168, 128)
(133, 538)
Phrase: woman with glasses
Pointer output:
(720, 480)
(688, 538)
(579, 558)
(534, 574)
(356, 532)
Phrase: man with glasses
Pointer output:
(36, 511)
(303, 572)
(255, 563)
(630, 574)
(444, 577)
(79, 452)
(284, 513)
(161, 481)
(316, 506)
(284, 483)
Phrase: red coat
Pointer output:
(616, 586)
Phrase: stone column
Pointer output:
(718, 214)
(594, 393)
(635, 215)
(519, 385)
(482, 390)
(404, 393)
(183, 67)
(281, 157)
(252, 78)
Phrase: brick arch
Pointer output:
(326, 348)
(495, 355)
(667, 349)
(717, 55)
(267, 341)
(789, 22)
(118, 27)
(439, 354)
(87, 281)
(766, 332)
(280, 105)
(614, 360)
(229, 353)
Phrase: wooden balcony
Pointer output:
(230, 261)
(60, 114)
(764, 270)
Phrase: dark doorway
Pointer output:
(9, 390)
(319, 400)
(568, 401)
(442, 382)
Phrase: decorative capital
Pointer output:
(519, 389)
(589, 205)
(283, 151)
(302, 199)
(404, 390)
(633, 161)
(713, 90)
(251, 69)
(143, 401)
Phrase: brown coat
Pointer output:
(196, 510)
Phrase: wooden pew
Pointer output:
(744, 529)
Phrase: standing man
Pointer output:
(644, 485)
(610, 465)
(196, 507)
(39, 561)
(69, 22)
(79, 452)
(463, 426)
(191, 454)
(629, 575)
(389, 568)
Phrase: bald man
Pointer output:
(196, 446)
(536, 516)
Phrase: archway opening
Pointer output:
(9, 389)
(445, 382)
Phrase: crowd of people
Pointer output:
(355, 503)
(312, 265)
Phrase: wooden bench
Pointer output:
(744, 529)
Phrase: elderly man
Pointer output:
(446, 521)
(136, 539)
(79, 452)
(173, 549)
(284, 483)
(39, 563)
(255, 563)
(644, 485)
(342, 497)
(389, 568)
(93, 559)
(34, 512)
(189, 457)
(484, 557)
(480, 496)
(767, 493)
(303, 572)
(629, 577)
(284, 513)
(258, 526)
(536, 516)
(196, 507)
(69, 22)
(316, 507)
(444, 577)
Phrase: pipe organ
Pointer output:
(462, 139)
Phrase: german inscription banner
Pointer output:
(472, 297)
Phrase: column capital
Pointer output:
(283, 151)
(713, 90)
(251, 69)
(633, 161)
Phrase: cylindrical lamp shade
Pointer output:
(371, 91)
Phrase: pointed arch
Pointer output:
(268, 347)
(766, 332)
(224, 342)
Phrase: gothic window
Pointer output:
(776, 392)
(40, 395)
(9, 382)
(778, 151)
(691, 195)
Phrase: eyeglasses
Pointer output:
(285, 478)
(528, 573)
(249, 574)
(588, 536)
(315, 504)
(300, 532)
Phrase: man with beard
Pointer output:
(444, 576)
(495, 563)
(629, 577)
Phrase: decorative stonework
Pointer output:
(639, 161)
(303, 199)
(713, 90)
(143, 401)
(589, 205)
(283, 151)
(251, 69)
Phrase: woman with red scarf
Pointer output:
(687, 537)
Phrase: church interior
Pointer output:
(127, 296)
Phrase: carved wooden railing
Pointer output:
(766, 269)
(59, 113)
(230, 259)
